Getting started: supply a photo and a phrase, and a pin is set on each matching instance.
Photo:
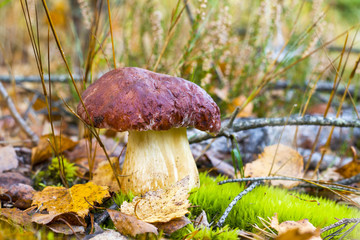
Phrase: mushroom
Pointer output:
(155, 109)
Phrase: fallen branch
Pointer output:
(221, 222)
(36, 78)
(17, 117)
(334, 186)
(245, 124)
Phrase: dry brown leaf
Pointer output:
(299, 230)
(59, 222)
(173, 225)
(63, 228)
(104, 175)
(296, 234)
(46, 219)
(201, 220)
(59, 200)
(161, 205)
(287, 162)
(350, 169)
(44, 150)
(8, 158)
(129, 225)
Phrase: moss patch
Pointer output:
(264, 202)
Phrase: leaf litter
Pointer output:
(277, 160)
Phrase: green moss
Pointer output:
(264, 202)
(120, 197)
(51, 176)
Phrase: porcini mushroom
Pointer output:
(155, 109)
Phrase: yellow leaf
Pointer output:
(161, 205)
(78, 198)
(44, 150)
(287, 162)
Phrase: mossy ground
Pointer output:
(264, 202)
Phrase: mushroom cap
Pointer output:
(132, 98)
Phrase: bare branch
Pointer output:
(19, 120)
(36, 78)
(245, 124)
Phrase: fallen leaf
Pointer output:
(296, 234)
(129, 225)
(350, 169)
(201, 220)
(104, 176)
(60, 223)
(70, 218)
(287, 162)
(8, 158)
(161, 205)
(173, 225)
(60, 227)
(300, 230)
(15, 216)
(44, 150)
(79, 198)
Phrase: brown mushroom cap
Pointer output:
(137, 99)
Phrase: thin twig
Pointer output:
(341, 222)
(17, 117)
(245, 124)
(221, 222)
(254, 179)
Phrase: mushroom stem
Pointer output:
(156, 159)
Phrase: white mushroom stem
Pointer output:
(156, 159)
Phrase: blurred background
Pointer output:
(264, 56)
